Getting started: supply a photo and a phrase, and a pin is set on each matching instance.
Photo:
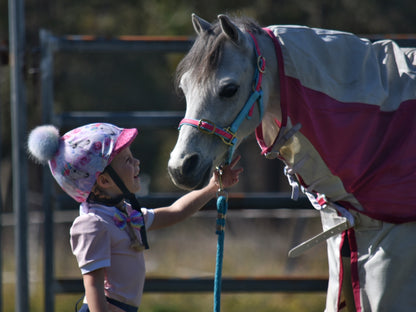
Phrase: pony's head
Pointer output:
(217, 78)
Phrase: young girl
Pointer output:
(94, 165)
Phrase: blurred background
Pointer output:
(257, 240)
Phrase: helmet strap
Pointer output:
(129, 197)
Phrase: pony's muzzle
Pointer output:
(190, 163)
(189, 172)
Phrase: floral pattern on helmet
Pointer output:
(84, 153)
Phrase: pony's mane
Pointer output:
(205, 54)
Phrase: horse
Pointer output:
(338, 110)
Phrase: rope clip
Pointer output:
(221, 191)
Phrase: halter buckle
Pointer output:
(227, 141)
(204, 129)
(261, 61)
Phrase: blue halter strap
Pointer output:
(229, 135)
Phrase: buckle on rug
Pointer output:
(337, 229)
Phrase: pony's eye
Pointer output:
(228, 90)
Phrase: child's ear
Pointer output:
(104, 181)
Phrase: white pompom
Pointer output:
(43, 143)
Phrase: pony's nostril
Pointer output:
(189, 164)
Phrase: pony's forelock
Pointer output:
(204, 56)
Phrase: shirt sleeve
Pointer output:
(149, 216)
(90, 243)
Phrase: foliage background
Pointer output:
(122, 82)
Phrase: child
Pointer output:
(94, 165)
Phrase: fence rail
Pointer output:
(229, 284)
(237, 201)
(142, 119)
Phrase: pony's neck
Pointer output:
(270, 85)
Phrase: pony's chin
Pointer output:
(194, 182)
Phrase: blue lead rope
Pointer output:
(222, 206)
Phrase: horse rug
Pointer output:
(353, 105)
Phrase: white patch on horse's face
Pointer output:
(218, 99)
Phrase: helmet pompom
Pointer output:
(43, 143)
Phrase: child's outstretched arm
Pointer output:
(190, 203)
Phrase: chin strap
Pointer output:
(131, 198)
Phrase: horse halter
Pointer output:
(229, 134)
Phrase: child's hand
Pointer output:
(230, 175)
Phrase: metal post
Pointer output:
(1, 211)
(46, 67)
(19, 163)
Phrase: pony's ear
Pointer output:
(200, 25)
(230, 29)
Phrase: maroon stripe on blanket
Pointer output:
(373, 152)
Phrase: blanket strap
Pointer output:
(319, 202)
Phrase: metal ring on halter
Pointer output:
(202, 129)
(260, 62)
(229, 142)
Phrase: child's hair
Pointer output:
(99, 196)
(79, 156)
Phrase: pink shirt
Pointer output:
(98, 243)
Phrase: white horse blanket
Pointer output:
(355, 103)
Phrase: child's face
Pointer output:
(128, 169)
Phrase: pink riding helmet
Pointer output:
(79, 156)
